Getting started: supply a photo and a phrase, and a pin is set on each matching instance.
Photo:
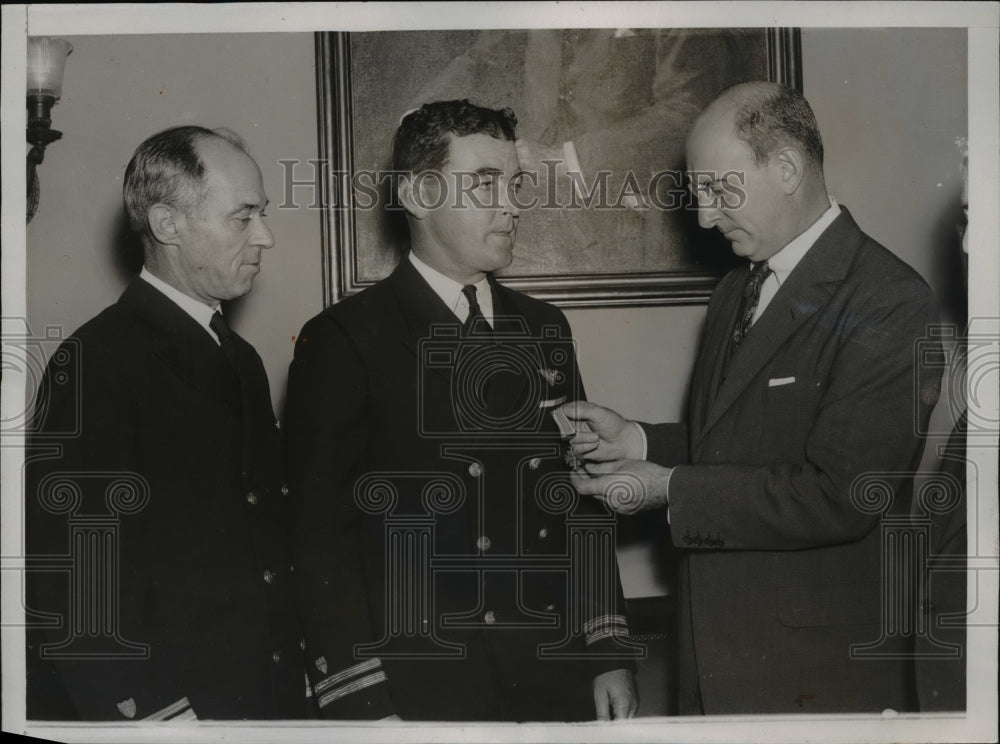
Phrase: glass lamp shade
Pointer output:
(46, 63)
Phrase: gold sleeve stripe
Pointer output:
(344, 690)
(174, 710)
(352, 671)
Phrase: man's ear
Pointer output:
(790, 168)
(163, 223)
(412, 202)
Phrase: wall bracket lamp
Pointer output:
(46, 64)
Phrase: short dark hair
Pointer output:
(778, 115)
(166, 169)
(421, 141)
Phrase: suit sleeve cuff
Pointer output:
(666, 486)
(645, 442)
(606, 639)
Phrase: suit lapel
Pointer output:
(806, 291)
(718, 330)
(421, 311)
(183, 345)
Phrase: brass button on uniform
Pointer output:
(269, 577)
(534, 463)
(276, 656)
(490, 617)
(543, 533)
(484, 543)
(252, 497)
(475, 470)
(284, 489)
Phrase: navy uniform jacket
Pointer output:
(158, 446)
(787, 473)
(431, 527)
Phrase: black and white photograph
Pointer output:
(501, 372)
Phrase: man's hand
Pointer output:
(615, 695)
(626, 486)
(612, 437)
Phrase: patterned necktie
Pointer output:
(221, 328)
(744, 319)
(759, 272)
(475, 312)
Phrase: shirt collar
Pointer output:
(199, 311)
(450, 291)
(782, 262)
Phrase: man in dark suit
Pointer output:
(444, 566)
(155, 515)
(800, 432)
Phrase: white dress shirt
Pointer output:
(782, 262)
(201, 312)
(450, 291)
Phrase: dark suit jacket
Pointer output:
(194, 534)
(386, 438)
(780, 509)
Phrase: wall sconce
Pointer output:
(46, 63)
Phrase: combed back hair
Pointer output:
(166, 169)
(421, 142)
(776, 116)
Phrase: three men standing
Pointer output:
(444, 566)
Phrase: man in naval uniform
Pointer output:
(155, 510)
(446, 569)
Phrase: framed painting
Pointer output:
(602, 117)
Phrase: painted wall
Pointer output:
(890, 104)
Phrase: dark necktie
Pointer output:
(475, 312)
(219, 325)
(748, 304)
(759, 272)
